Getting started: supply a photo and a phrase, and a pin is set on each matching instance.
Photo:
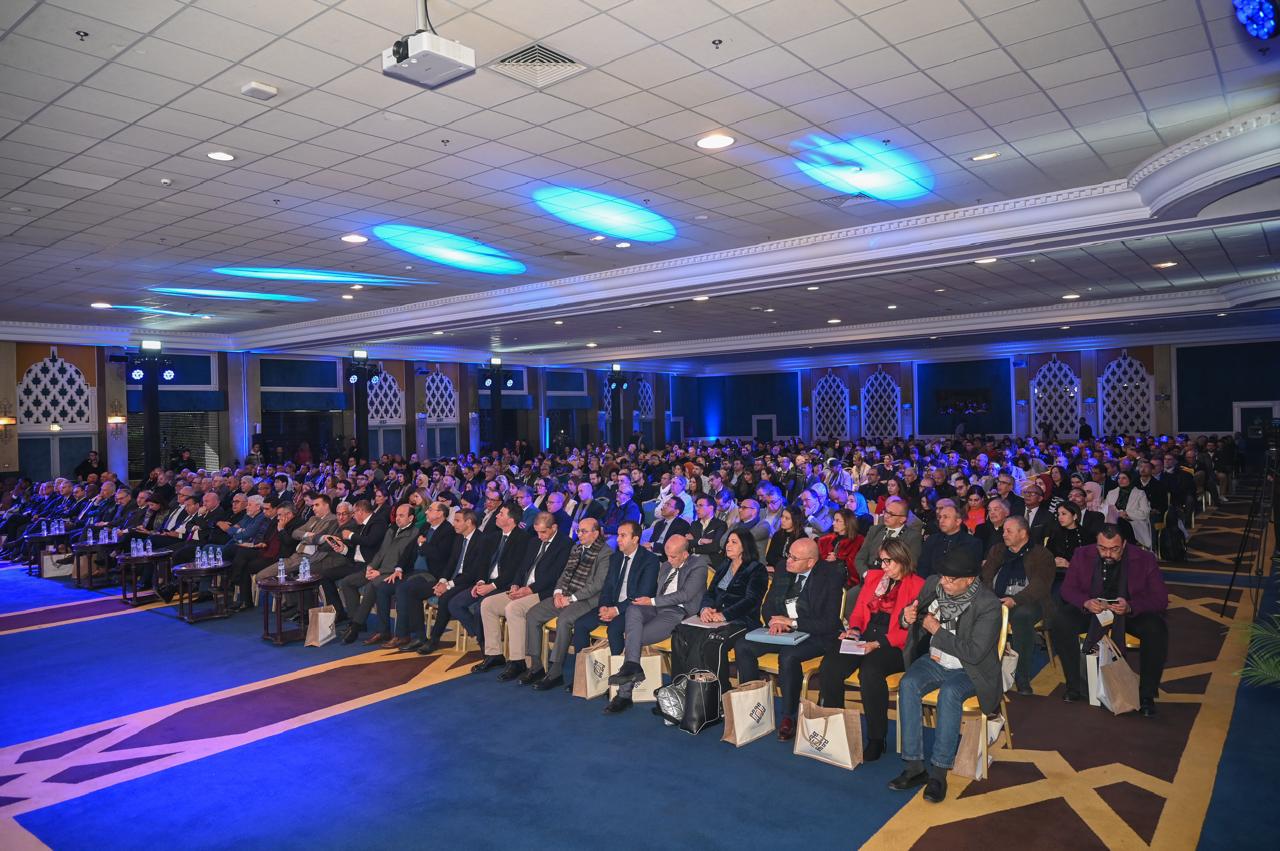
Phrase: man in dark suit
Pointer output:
(508, 546)
(1040, 520)
(707, 530)
(805, 599)
(554, 506)
(376, 584)
(587, 507)
(1090, 521)
(669, 523)
(1004, 490)
(951, 535)
(467, 565)
(434, 546)
(535, 581)
(893, 524)
(492, 502)
(633, 572)
(350, 551)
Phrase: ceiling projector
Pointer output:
(425, 59)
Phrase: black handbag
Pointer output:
(702, 705)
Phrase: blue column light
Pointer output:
(230, 294)
(862, 167)
(606, 214)
(449, 249)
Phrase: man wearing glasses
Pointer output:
(1115, 588)
(804, 600)
(893, 525)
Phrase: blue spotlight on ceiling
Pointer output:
(600, 213)
(449, 249)
(1258, 17)
(315, 276)
(232, 294)
(862, 167)
(137, 375)
(144, 308)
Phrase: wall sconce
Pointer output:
(116, 418)
(54, 427)
(7, 422)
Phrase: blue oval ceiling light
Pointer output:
(315, 276)
(606, 214)
(143, 308)
(862, 167)
(1258, 17)
(230, 294)
(449, 249)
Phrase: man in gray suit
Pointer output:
(309, 535)
(376, 583)
(577, 592)
(749, 520)
(682, 582)
(893, 524)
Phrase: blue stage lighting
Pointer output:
(488, 382)
(1258, 17)
(168, 375)
(315, 276)
(373, 381)
(353, 378)
(232, 294)
(510, 383)
(862, 167)
(137, 375)
(600, 213)
(626, 384)
(143, 308)
(449, 249)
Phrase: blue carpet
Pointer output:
(63, 677)
(19, 591)
(474, 763)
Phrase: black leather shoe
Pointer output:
(1071, 696)
(909, 779)
(1148, 709)
(164, 592)
(629, 672)
(429, 646)
(548, 683)
(873, 751)
(531, 677)
(618, 704)
(935, 790)
(1023, 687)
(513, 670)
(488, 663)
(413, 646)
(350, 636)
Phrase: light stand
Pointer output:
(360, 371)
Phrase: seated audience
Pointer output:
(842, 544)
(535, 580)
(1021, 571)
(895, 523)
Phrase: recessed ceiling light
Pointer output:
(1071, 296)
(985, 260)
(355, 239)
(597, 238)
(348, 296)
(715, 141)
(893, 307)
(1066, 327)
(989, 155)
(940, 290)
(933, 338)
(1167, 264)
(437, 333)
(357, 286)
(657, 330)
(811, 289)
(701, 217)
(833, 321)
(768, 310)
(220, 156)
(100, 305)
(592, 345)
(1220, 314)
(701, 297)
(559, 322)
(622, 245)
(19, 209)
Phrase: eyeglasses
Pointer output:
(894, 514)
(802, 558)
(884, 562)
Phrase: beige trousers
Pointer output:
(498, 606)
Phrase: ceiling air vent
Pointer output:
(841, 202)
(537, 65)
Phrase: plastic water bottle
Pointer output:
(115, 536)
(218, 555)
(44, 528)
(133, 547)
(148, 546)
(280, 572)
(202, 558)
(304, 569)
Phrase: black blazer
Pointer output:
(475, 561)
(741, 601)
(822, 593)
(549, 570)
(436, 551)
(511, 558)
(642, 581)
(679, 526)
(1045, 522)
(368, 538)
(715, 529)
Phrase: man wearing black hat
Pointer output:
(960, 617)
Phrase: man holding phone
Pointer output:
(1117, 588)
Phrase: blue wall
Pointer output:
(1211, 378)
(281, 372)
(937, 383)
(722, 405)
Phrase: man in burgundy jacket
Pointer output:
(1125, 580)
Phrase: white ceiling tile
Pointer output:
(914, 18)
(486, 89)
(1023, 106)
(327, 108)
(999, 88)
(106, 104)
(488, 39)
(1100, 88)
(769, 66)
(1162, 17)
(974, 69)
(899, 90)
(639, 108)
(1035, 19)
(836, 43)
(697, 89)
(58, 26)
(63, 63)
(143, 85)
(278, 17)
(1167, 45)
(1176, 70)
(171, 60)
(599, 40)
(651, 67)
(735, 38)
(736, 107)
(870, 68)
(212, 33)
(778, 18)
(654, 17)
(537, 20)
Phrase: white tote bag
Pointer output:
(641, 692)
(322, 626)
(748, 713)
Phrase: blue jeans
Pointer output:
(954, 687)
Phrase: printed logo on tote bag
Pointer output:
(818, 741)
(757, 712)
(598, 668)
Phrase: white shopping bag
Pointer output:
(321, 626)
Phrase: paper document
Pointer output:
(853, 647)
(697, 621)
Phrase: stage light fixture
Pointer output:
(151, 345)
(488, 382)
(510, 383)
(359, 354)
(1258, 17)
(168, 375)
(137, 375)
(373, 380)
(352, 378)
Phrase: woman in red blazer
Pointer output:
(842, 543)
(874, 620)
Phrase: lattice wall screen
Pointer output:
(830, 408)
(644, 399)
(386, 401)
(881, 401)
(1124, 391)
(606, 400)
(1055, 399)
(55, 391)
(439, 399)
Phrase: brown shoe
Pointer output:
(377, 638)
(786, 730)
(396, 643)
